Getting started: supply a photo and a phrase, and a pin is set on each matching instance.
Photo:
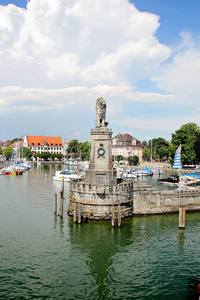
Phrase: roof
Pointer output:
(40, 140)
(17, 144)
(126, 137)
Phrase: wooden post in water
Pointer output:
(75, 211)
(113, 216)
(79, 213)
(119, 215)
(61, 204)
(55, 203)
(181, 217)
(63, 186)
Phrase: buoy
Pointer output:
(198, 288)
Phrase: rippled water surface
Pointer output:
(44, 257)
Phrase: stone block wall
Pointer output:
(147, 200)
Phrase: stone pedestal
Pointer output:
(100, 170)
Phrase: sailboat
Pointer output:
(66, 174)
(177, 165)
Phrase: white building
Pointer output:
(126, 145)
(39, 144)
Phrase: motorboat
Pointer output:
(68, 175)
(170, 179)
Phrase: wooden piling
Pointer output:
(61, 204)
(79, 213)
(181, 217)
(75, 211)
(63, 186)
(55, 203)
(119, 215)
(113, 216)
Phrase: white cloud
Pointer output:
(59, 55)
(78, 42)
(181, 75)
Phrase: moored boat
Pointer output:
(11, 171)
(68, 175)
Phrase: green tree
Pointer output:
(146, 154)
(27, 153)
(73, 146)
(45, 155)
(160, 149)
(53, 156)
(59, 156)
(186, 136)
(7, 152)
(84, 150)
(197, 148)
(119, 157)
(144, 144)
(133, 160)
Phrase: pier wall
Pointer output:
(100, 202)
(147, 200)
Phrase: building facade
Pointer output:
(39, 144)
(126, 145)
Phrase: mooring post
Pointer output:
(181, 217)
(79, 213)
(63, 186)
(55, 203)
(119, 215)
(75, 211)
(113, 216)
(61, 204)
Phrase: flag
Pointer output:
(177, 159)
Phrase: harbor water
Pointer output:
(46, 257)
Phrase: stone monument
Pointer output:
(99, 196)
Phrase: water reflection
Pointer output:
(181, 239)
(100, 242)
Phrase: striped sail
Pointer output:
(177, 159)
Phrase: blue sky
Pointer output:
(57, 57)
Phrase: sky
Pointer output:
(57, 57)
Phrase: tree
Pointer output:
(59, 156)
(186, 136)
(7, 152)
(73, 146)
(144, 144)
(53, 156)
(45, 155)
(84, 150)
(146, 153)
(119, 157)
(197, 148)
(27, 153)
(133, 160)
(160, 149)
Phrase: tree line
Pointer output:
(188, 135)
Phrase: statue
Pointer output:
(101, 113)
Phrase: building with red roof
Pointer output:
(39, 144)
